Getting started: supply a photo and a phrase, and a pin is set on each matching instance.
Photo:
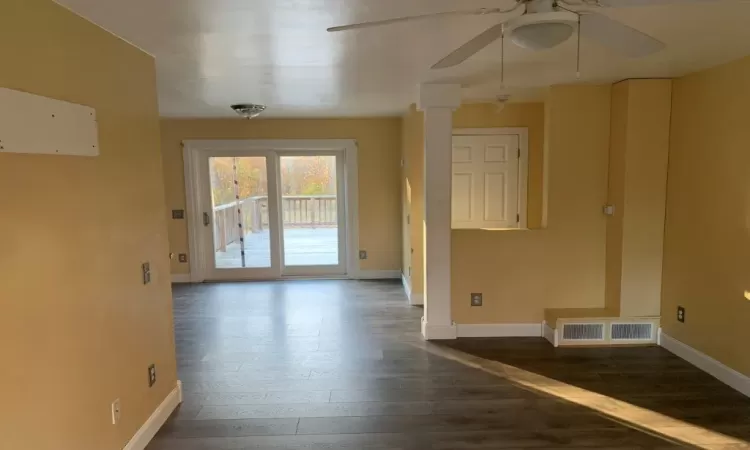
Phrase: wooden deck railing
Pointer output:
(298, 211)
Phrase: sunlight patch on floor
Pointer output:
(622, 412)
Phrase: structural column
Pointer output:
(438, 102)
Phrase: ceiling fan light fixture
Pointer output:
(542, 36)
(541, 31)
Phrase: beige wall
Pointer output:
(616, 196)
(78, 329)
(521, 273)
(707, 235)
(639, 147)
(413, 196)
(528, 115)
(379, 142)
(647, 158)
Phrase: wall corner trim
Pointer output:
(499, 330)
(181, 278)
(550, 334)
(414, 299)
(146, 433)
(723, 373)
(438, 332)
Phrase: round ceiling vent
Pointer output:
(248, 110)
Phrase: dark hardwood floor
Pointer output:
(341, 365)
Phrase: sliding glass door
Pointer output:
(270, 214)
(311, 214)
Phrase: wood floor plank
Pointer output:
(340, 365)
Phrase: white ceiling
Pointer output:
(212, 53)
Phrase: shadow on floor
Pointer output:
(648, 377)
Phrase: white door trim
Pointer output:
(193, 150)
(523, 163)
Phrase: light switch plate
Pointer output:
(151, 375)
(363, 254)
(146, 269)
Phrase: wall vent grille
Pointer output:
(583, 332)
(632, 332)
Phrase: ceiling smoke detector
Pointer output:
(248, 110)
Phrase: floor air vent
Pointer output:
(632, 332)
(583, 332)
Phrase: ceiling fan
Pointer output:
(543, 24)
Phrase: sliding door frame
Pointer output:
(197, 151)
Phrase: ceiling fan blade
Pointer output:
(629, 3)
(618, 36)
(377, 23)
(471, 48)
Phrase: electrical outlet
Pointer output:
(116, 412)
(681, 314)
(146, 269)
(363, 254)
(476, 299)
(151, 375)
(183, 257)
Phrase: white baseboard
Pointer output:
(378, 275)
(723, 373)
(499, 330)
(414, 299)
(438, 332)
(549, 333)
(180, 278)
(149, 429)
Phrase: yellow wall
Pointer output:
(639, 148)
(413, 185)
(616, 196)
(379, 142)
(528, 115)
(77, 328)
(647, 157)
(707, 234)
(521, 273)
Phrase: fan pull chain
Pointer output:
(502, 58)
(578, 56)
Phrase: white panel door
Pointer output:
(485, 181)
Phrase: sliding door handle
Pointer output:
(206, 219)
